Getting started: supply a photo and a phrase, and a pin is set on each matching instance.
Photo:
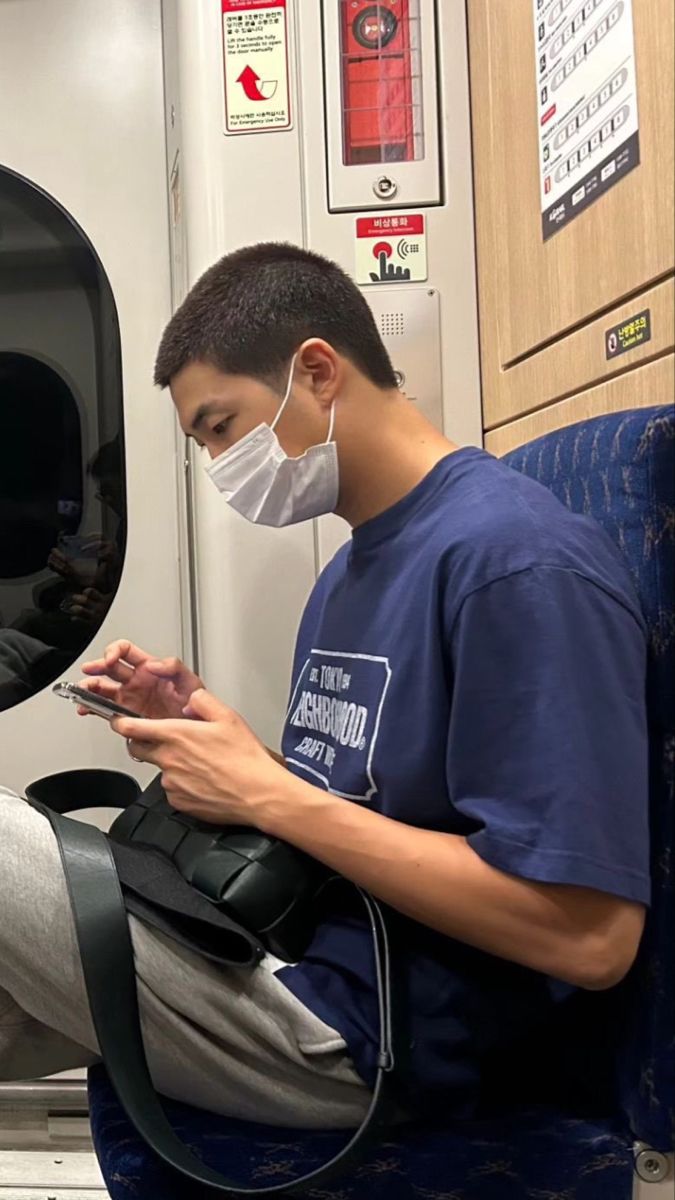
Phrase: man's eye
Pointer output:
(221, 427)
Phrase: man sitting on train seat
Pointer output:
(465, 737)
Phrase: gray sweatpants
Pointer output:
(231, 1040)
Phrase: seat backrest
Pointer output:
(619, 469)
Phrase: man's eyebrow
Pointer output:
(205, 410)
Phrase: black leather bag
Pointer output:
(267, 886)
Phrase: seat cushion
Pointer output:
(532, 1155)
(620, 470)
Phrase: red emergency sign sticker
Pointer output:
(391, 249)
(255, 58)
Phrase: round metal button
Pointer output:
(385, 188)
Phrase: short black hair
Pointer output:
(249, 312)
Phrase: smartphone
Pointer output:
(100, 705)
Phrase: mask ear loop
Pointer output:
(331, 425)
(285, 400)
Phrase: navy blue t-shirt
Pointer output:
(472, 662)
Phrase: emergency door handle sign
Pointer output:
(255, 65)
(250, 83)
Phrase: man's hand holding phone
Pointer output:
(212, 764)
(164, 689)
(155, 688)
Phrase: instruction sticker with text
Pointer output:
(255, 58)
(391, 249)
(587, 103)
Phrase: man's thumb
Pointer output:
(203, 705)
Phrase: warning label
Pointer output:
(391, 249)
(628, 334)
(255, 57)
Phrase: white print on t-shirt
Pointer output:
(336, 707)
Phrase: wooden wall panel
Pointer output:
(533, 293)
(579, 360)
(647, 385)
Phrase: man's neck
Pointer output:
(386, 448)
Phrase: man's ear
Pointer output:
(322, 368)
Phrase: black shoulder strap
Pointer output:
(108, 964)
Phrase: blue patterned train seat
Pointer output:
(561, 1119)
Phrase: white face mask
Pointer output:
(260, 481)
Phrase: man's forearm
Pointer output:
(438, 880)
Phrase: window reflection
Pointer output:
(62, 490)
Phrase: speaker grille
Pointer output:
(392, 324)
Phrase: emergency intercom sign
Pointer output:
(391, 249)
(255, 56)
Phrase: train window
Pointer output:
(62, 478)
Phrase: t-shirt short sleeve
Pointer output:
(547, 746)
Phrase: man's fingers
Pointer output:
(95, 667)
(101, 687)
(98, 687)
(133, 655)
(165, 667)
(206, 706)
(142, 751)
(98, 666)
(142, 730)
(177, 800)
(120, 671)
(119, 661)
(123, 652)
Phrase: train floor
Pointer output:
(46, 1151)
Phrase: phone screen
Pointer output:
(100, 705)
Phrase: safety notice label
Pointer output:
(586, 89)
(255, 57)
(391, 249)
(628, 334)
